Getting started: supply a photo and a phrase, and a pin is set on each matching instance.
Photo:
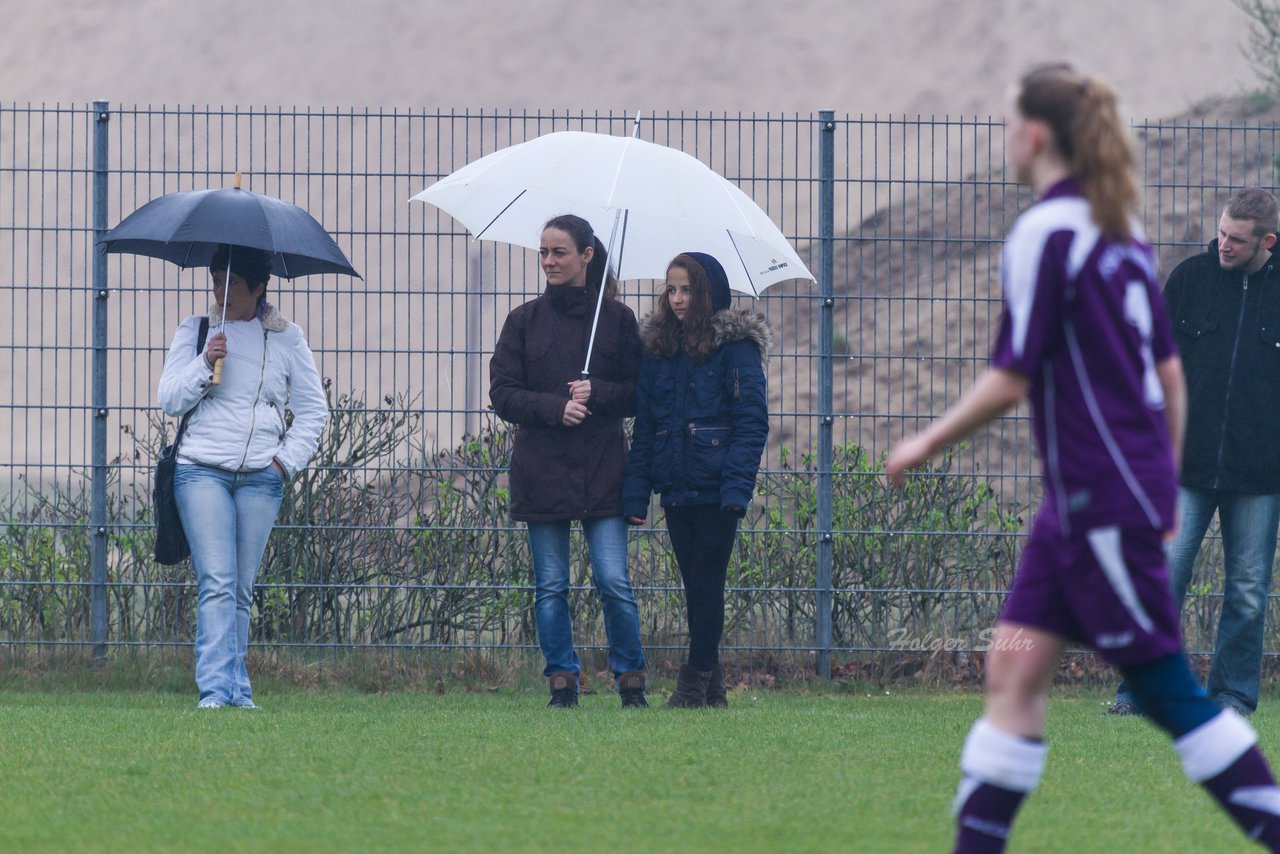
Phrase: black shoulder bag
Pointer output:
(171, 540)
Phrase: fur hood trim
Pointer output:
(272, 319)
(729, 325)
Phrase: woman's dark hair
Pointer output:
(1091, 137)
(252, 265)
(694, 334)
(583, 236)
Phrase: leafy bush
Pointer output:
(930, 560)
(380, 543)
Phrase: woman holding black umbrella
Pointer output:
(237, 452)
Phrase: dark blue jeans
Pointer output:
(607, 546)
(1248, 524)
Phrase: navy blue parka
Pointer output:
(700, 428)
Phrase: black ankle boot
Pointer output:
(631, 688)
(691, 689)
(717, 697)
(564, 689)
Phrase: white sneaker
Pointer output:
(210, 703)
(245, 704)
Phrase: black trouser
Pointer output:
(702, 536)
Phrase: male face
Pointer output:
(1239, 248)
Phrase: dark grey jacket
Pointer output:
(1227, 327)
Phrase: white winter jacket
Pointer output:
(239, 425)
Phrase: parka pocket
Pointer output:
(281, 429)
(1270, 336)
(1193, 333)
(663, 461)
(709, 390)
(606, 359)
(539, 348)
(708, 447)
(1192, 328)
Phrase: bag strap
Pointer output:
(200, 339)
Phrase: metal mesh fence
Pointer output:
(398, 535)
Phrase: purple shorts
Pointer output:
(1107, 588)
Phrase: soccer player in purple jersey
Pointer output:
(1086, 337)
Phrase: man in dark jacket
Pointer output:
(1225, 308)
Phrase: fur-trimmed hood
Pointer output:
(272, 319)
(729, 325)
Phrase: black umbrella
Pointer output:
(187, 228)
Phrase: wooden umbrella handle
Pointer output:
(217, 372)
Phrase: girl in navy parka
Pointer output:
(700, 429)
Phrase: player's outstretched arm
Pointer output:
(995, 392)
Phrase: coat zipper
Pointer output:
(1231, 372)
(253, 410)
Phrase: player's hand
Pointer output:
(635, 520)
(574, 414)
(907, 454)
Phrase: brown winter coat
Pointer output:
(559, 472)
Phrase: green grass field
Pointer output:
(146, 771)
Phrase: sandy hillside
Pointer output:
(859, 56)
(918, 322)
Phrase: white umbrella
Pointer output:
(646, 202)
(670, 202)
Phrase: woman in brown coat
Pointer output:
(571, 449)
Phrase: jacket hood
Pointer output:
(272, 319)
(728, 326)
(720, 295)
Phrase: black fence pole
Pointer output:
(826, 295)
(98, 559)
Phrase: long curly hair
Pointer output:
(694, 335)
(1088, 132)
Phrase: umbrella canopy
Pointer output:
(188, 227)
(665, 201)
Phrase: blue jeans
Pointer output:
(1248, 524)
(607, 547)
(227, 517)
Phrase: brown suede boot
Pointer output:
(717, 697)
(691, 689)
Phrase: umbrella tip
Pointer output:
(237, 179)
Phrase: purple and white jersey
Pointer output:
(1085, 321)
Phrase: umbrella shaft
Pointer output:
(604, 282)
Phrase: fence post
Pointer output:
(826, 420)
(98, 559)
